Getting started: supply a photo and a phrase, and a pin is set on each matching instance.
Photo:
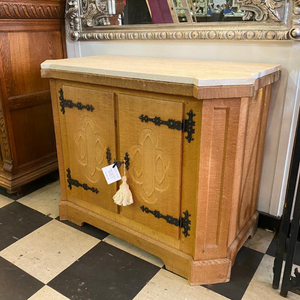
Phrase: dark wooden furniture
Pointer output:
(30, 32)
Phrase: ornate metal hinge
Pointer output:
(185, 125)
(182, 222)
(76, 183)
(69, 103)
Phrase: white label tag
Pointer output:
(111, 174)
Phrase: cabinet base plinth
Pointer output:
(14, 182)
(210, 271)
(197, 272)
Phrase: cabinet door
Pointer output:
(155, 155)
(88, 130)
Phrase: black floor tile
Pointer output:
(32, 186)
(89, 229)
(105, 273)
(272, 251)
(16, 284)
(246, 264)
(16, 221)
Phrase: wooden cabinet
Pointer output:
(30, 32)
(195, 153)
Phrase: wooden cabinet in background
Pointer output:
(194, 132)
(30, 32)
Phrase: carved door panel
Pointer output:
(155, 155)
(89, 127)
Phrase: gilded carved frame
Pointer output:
(275, 20)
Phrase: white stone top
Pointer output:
(185, 71)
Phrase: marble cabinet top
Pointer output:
(197, 72)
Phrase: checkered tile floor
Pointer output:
(42, 258)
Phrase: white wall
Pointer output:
(285, 97)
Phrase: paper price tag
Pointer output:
(111, 174)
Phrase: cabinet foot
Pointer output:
(13, 191)
(63, 214)
(248, 230)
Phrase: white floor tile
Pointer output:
(44, 200)
(260, 241)
(49, 250)
(4, 201)
(168, 286)
(260, 286)
(47, 293)
(114, 241)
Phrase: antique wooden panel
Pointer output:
(156, 160)
(254, 113)
(88, 135)
(34, 137)
(239, 164)
(30, 32)
(220, 119)
(250, 158)
(264, 97)
(28, 96)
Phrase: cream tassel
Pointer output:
(123, 196)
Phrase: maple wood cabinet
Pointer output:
(194, 142)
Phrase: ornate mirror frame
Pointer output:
(274, 20)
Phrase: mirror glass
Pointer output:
(137, 12)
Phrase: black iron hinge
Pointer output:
(76, 183)
(70, 104)
(182, 222)
(187, 125)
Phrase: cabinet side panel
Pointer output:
(263, 128)
(253, 131)
(54, 87)
(219, 130)
(254, 113)
(239, 166)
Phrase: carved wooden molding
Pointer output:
(83, 23)
(8, 163)
(4, 140)
(23, 10)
